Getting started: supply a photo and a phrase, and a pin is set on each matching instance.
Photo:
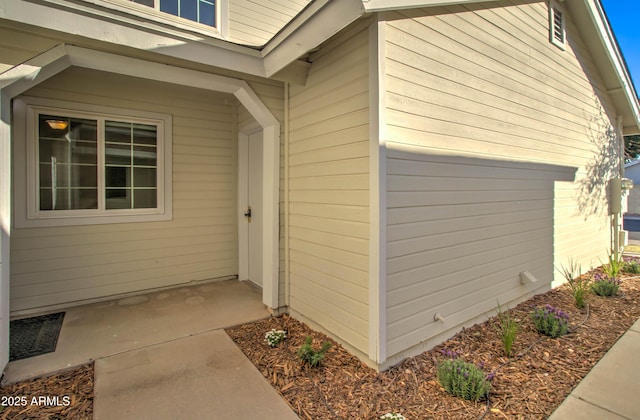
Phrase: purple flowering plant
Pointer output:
(550, 321)
(604, 285)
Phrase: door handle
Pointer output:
(248, 214)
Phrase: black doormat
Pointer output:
(34, 336)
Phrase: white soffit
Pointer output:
(382, 5)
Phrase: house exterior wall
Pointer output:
(57, 265)
(633, 196)
(328, 190)
(499, 149)
(255, 23)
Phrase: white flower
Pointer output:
(274, 337)
(393, 416)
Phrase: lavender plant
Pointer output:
(631, 266)
(550, 321)
(462, 379)
(605, 286)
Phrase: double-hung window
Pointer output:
(100, 166)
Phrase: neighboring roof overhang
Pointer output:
(319, 21)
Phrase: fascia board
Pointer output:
(309, 30)
(20, 78)
(111, 27)
(616, 63)
(383, 5)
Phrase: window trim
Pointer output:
(154, 15)
(27, 212)
(554, 7)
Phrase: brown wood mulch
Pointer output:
(529, 385)
(65, 395)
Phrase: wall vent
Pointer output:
(557, 27)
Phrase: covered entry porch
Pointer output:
(75, 279)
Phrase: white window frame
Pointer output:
(27, 210)
(155, 15)
(554, 7)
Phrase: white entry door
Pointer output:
(255, 204)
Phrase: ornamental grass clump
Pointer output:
(614, 267)
(275, 337)
(507, 329)
(605, 286)
(550, 321)
(463, 379)
(578, 284)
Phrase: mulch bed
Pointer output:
(530, 385)
(70, 396)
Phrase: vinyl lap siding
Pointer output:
(487, 126)
(255, 23)
(66, 264)
(329, 185)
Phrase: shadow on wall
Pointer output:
(604, 165)
(460, 230)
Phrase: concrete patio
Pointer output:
(104, 329)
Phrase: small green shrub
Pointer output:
(605, 286)
(614, 267)
(507, 329)
(631, 266)
(309, 355)
(550, 321)
(275, 337)
(578, 284)
(463, 379)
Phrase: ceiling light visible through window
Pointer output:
(57, 124)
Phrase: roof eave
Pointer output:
(598, 35)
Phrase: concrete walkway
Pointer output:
(612, 389)
(201, 377)
(165, 355)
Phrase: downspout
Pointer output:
(617, 193)
(285, 204)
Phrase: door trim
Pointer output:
(243, 197)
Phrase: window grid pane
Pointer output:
(131, 165)
(67, 163)
(69, 173)
(202, 11)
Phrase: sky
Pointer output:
(624, 16)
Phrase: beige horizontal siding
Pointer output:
(65, 264)
(493, 136)
(256, 22)
(329, 182)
